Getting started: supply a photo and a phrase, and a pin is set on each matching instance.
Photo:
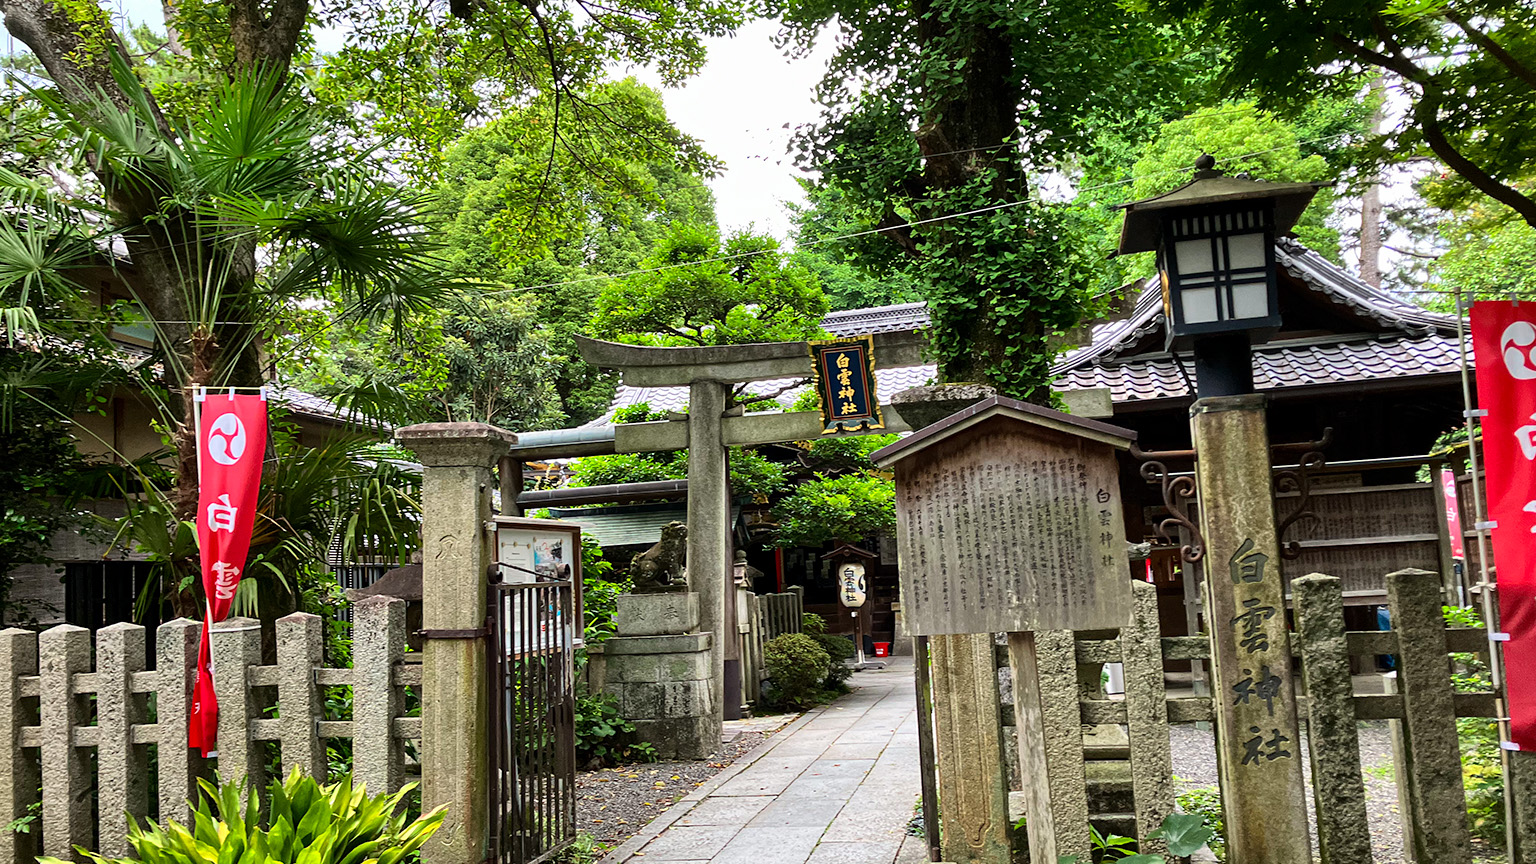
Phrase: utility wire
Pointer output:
(867, 232)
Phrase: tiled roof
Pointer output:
(1275, 366)
(1415, 342)
(878, 319)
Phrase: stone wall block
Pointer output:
(641, 701)
(684, 699)
(64, 652)
(1343, 834)
(1146, 715)
(378, 645)
(1439, 801)
(236, 646)
(18, 769)
(122, 766)
(175, 673)
(300, 651)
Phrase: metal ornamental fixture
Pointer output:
(1178, 492)
(1299, 480)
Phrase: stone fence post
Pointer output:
(455, 730)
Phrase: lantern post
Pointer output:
(848, 563)
(1215, 243)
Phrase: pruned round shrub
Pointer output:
(797, 666)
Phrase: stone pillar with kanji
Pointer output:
(1259, 751)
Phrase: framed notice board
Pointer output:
(541, 550)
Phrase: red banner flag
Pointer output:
(1504, 339)
(231, 444)
(1454, 531)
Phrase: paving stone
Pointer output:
(914, 850)
(837, 790)
(736, 811)
(856, 852)
(770, 846)
(854, 751)
(799, 811)
(690, 843)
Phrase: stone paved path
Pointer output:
(835, 787)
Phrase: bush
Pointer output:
(604, 736)
(797, 667)
(838, 649)
(305, 821)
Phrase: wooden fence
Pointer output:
(1424, 711)
(58, 710)
(766, 617)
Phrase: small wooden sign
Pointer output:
(1008, 519)
(845, 381)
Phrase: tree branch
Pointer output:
(1427, 113)
(1497, 51)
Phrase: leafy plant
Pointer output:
(1185, 834)
(1205, 801)
(797, 668)
(604, 736)
(826, 509)
(306, 822)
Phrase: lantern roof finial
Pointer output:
(1210, 187)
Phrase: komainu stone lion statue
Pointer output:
(663, 567)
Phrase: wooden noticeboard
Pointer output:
(1008, 519)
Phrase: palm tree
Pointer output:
(228, 218)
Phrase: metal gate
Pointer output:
(533, 706)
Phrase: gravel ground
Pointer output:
(1194, 764)
(613, 804)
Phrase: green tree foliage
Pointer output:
(856, 273)
(546, 224)
(599, 206)
(40, 489)
(831, 509)
(1231, 133)
(416, 77)
(695, 289)
(484, 358)
(939, 107)
(192, 202)
(1484, 260)
(1467, 69)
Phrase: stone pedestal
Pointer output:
(657, 614)
(661, 674)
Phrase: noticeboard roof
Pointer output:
(1046, 418)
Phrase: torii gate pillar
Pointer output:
(709, 538)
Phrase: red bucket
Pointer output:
(882, 649)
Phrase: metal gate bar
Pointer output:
(533, 707)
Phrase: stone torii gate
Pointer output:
(713, 424)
